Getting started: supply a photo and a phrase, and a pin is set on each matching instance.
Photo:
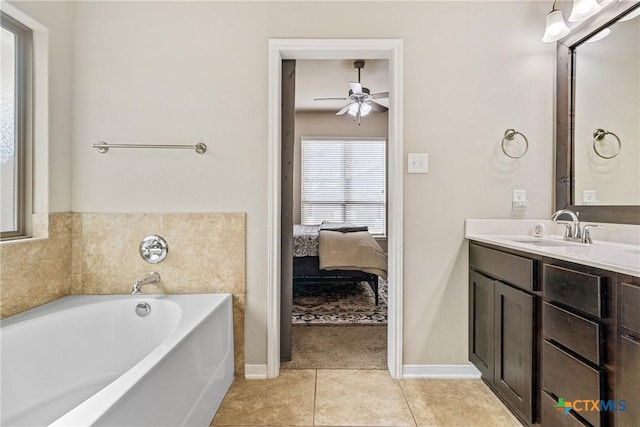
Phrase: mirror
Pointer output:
(598, 87)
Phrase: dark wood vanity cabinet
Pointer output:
(579, 343)
(628, 386)
(503, 313)
(543, 331)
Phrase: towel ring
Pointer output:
(599, 135)
(510, 135)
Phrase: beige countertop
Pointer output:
(620, 254)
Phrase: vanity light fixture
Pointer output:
(599, 36)
(556, 28)
(631, 15)
(584, 9)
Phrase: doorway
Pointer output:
(390, 50)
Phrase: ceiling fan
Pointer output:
(361, 100)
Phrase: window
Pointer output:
(344, 180)
(14, 84)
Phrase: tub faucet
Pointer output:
(573, 234)
(152, 278)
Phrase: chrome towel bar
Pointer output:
(103, 147)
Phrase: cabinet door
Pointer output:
(481, 312)
(514, 348)
(629, 386)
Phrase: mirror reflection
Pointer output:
(607, 116)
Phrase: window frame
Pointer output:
(384, 141)
(23, 110)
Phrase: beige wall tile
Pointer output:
(76, 254)
(206, 253)
(110, 259)
(38, 271)
(238, 332)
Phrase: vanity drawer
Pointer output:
(583, 336)
(552, 416)
(582, 291)
(565, 376)
(630, 307)
(514, 269)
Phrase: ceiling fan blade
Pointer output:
(356, 87)
(329, 99)
(380, 95)
(344, 110)
(377, 107)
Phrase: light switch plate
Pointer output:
(417, 163)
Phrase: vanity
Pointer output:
(554, 308)
(554, 323)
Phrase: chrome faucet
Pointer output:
(574, 233)
(152, 278)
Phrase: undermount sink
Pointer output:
(543, 242)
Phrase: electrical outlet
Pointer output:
(519, 200)
(589, 197)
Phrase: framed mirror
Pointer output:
(598, 87)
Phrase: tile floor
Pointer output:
(325, 397)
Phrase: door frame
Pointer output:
(391, 50)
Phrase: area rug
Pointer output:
(339, 304)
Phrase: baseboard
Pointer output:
(255, 372)
(440, 371)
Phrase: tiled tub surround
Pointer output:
(616, 246)
(97, 253)
(36, 271)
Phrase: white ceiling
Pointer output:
(330, 78)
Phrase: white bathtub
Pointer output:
(91, 360)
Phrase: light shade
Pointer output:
(556, 27)
(631, 15)
(583, 9)
(363, 107)
(599, 36)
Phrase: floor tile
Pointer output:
(360, 398)
(455, 403)
(283, 401)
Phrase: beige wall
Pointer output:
(471, 70)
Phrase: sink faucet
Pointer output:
(574, 233)
(152, 278)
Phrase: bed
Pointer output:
(333, 252)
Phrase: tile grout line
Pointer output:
(315, 397)
(408, 404)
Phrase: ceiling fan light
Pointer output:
(556, 28)
(584, 9)
(364, 108)
(353, 109)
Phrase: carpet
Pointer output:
(334, 303)
(338, 347)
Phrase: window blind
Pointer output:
(344, 180)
